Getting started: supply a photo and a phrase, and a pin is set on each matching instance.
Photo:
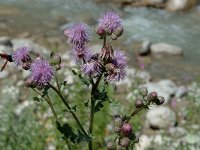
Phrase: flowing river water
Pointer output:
(47, 16)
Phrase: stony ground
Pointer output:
(175, 125)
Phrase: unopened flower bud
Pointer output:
(117, 129)
(57, 67)
(118, 122)
(118, 31)
(119, 147)
(26, 65)
(125, 142)
(126, 129)
(152, 96)
(100, 31)
(114, 36)
(160, 100)
(111, 146)
(30, 83)
(138, 103)
(55, 59)
(144, 91)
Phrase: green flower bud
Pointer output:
(111, 146)
(114, 36)
(118, 122)
(139, 103)
(57, 67)
(55, 59)
(118, 31)
(30, 83)
(144, 91)
(160, 100)
(125, 142)
(152, 97)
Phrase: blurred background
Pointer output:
(161, 39)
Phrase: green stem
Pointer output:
(68, 107)
(91, 115)
(47, 99)
(51, 106)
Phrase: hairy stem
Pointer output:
(47, 99)
(68, 107)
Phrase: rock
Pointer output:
(153, 2)
(3, 74)
(4, 40)
(145, 48)
(177, 5)
(181, 91)
(133, 74)
(17, 43)
(165, 88)
(158, 140)
(144, 143)
(177, 131)
(5, 49)
(160, 117)
(164, 48)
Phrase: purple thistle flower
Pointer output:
(80, 54)
(116, 74)
(42, 72)
(109, 21)
(21, 56)
(92, 67)
(78, 34)
(117, 69)
(120, 59)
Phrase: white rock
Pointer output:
(5, 49)
(145, 48)
(157, 139)
(181, 91)
(3, 74)
(176, 5)
(4, 40)
(164, 48)
(160, 117)
(144, 143)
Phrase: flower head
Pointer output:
(21, 56)
(120, 59)
(117, 67)
(78, 34)
(126, 129)
(92, 67)
(109, 21)
(42, 72)
(80, 54)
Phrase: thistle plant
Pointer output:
(96, 71)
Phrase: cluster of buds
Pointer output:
(148, 98)
(109, 24)
(125, 135)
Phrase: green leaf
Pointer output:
(68, 133)
(37, 99)
(100, 96)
